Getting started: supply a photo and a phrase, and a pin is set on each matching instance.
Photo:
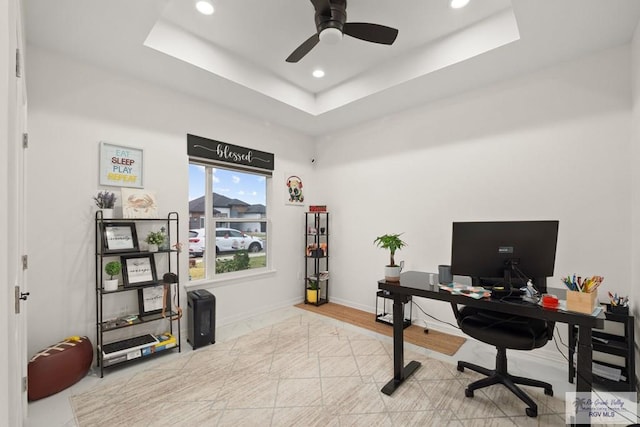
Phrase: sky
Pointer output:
(247, 187)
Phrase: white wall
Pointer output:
(73, 107)
(551, 145)
(635, 129)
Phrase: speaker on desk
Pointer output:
(201, 318)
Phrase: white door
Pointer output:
(15, 212)
(21, 268)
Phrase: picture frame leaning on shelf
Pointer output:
(151, 299)
(119, 237)
(138, 270)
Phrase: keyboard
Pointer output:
(117, 348)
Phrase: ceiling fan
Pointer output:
(331, 17)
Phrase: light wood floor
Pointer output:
(434, 340)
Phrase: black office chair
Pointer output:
(504, 331)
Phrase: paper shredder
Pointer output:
(201, 318)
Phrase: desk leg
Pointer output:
(584, 375)
(400, 373)
(585, 358)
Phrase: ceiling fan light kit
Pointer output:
(331, 36)
(331, 25)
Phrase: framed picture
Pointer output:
(139, 269)
(293, 190)
(121, 166)
(139, 203)
(151, 299)
(119, 237)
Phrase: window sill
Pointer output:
(228, 279)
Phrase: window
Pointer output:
(232, 202)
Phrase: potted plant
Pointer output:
(312, 290)
(392, 242)
(112, 269)
(105, 200)
(154, 240)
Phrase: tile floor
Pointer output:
(295, 368)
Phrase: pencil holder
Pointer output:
(618, 309)
(582, 302)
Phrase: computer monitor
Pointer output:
(505, 252)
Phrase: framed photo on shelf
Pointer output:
(139, 269)
(151, 300)
(119, 237)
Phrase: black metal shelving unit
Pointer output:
(104, 326)
(316, 263)
(621, 346)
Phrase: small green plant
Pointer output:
(393, 242)
(312, 284)
(113, 268)
(155, 238)
(105, 199)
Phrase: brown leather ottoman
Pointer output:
(59, 366)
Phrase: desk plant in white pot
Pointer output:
(105, 200)
(155, 239)
(393, 242)
(112, 269)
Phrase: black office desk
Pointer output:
(417, 283)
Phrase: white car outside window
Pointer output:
(196, 242)
(227, 240)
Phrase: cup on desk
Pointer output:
(444, 274)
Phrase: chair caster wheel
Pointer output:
(548, 392)
(469, 393)
(460, 368)
(532, 412)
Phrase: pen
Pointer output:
(567, 282)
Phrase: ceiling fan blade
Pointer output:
(304, 48)
(371, 32)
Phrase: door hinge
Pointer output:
(19, 296)
(25, 140)
(25, 384)
(25, 262)
(17, 299)
(18, 64)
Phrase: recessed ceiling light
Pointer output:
(318, 73)
(458, 4)
(204, 7)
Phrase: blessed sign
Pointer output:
(211, 149)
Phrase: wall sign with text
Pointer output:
(211, 149)
(121, 166)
